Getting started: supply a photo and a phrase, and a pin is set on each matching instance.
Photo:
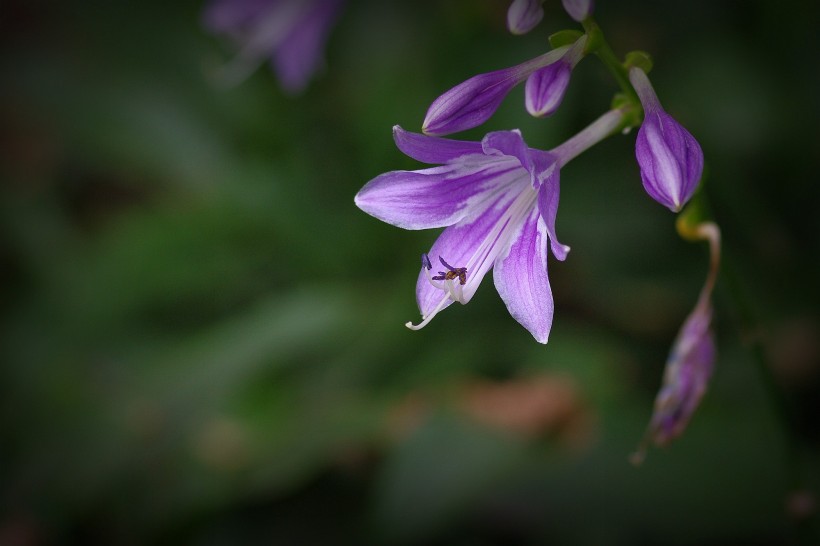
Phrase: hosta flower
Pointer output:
(474, 101)
(498, 200)
(291, 33)
(670, 158)
(524, 15)
(578, 9)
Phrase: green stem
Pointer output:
(597, 44)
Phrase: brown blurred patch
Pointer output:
(222, 444)
(528, 408)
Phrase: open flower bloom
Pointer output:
(690, 361)
(670, 158)
(524, 15)
(498, 200)
(474, 101)
(578, 9)
(292, 33)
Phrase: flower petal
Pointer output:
(539, 164)
(521, 279)
(434, 150)
(300, 54)
(438, 196)
(548, 207)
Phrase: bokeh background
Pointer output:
(203, 340)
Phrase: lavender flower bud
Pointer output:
(524, 15)
(670, 158)
(578, 9)
(545, 88)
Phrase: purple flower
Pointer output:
(292, 33)
(498, 200)
(474, 101)
(524, 15)
(578, 9)
(670, 158)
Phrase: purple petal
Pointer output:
(539, 164)
(470, 103)
(578, 9)
(300, 53)
(522, 282)
(545, 88)
(548, 208)
(670, 159)
(524, 15)
(434, 150)
(438, 196)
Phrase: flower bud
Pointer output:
(524, 15)
(470, 103)
(670, 158)
(545, 87)
(687, 373)
(578, 9)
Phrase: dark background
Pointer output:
(203, 340)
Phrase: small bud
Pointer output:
(524, 15)
(546, 87)
(670, 158)
(578, 9)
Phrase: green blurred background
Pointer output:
(203, 340)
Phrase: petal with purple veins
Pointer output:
(521, 278)
(438, 196)
(433, 150)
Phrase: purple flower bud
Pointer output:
(670, 158)
(545, 87)
(470, 103)
(524, 15)
(692, 357)
(579, 9)
(688, 369)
